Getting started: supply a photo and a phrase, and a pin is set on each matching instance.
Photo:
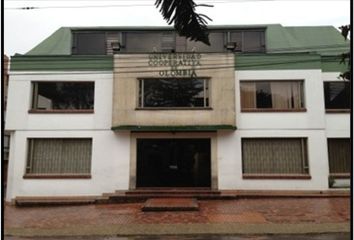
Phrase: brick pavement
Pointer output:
(242, 211)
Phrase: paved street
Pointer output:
(336, 236)
(243, 216)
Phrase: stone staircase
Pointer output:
(141, 195)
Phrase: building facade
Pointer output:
(6, 136)
(95, 110)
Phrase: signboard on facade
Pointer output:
(175, 61)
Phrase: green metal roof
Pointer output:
(59, 43)
(61, 63)
(325, 40)
(312, 47)
(277, 61)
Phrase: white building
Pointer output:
(95, 110)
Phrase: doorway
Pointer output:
(173, 163)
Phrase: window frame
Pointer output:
(336, 110)
(28, 175)
(341, 175)
(302, 96)
(33, 109)
(305, 162)
(74, 41)
(6, 146)
(206, 86)
(242, 32)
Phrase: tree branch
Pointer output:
(186, 21)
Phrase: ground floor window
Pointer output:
(339, 156)
(59, 156)
(274, 156)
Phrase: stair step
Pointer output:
(170, 204)
(51, 201)
(172, 192)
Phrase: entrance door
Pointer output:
(173, 163)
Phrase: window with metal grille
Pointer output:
(272, 95)
(59, 156)
(173, 93)
(274, 156)
(339, 155)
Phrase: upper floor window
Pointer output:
(101, 42)
(337, 96)
(89, 43)
(248, 40)
(173, 93)
(272, 96)
(62, 96)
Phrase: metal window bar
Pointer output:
(60, 156)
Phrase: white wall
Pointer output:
(110, 152)
(109, 166)
(19, 102)
(337, 124)
(314, 124)
(230, 161)
(312, 119)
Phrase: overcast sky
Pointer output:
(24, 29)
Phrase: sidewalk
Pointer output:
(244, 216)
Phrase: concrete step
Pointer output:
(171, 192)
(170, 204)
(53, 201)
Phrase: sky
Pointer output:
(24, 29)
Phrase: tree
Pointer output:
(346, 56)
(186, 21)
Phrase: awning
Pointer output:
(188, 128)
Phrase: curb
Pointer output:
(181, 229)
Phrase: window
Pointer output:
(274, 156)
(168, 42)
(339, 156)
(272, 95)
(173, 92)
(101, 42)
(248, 40)
(337, 95)
(89, 43)
(59, 156)
(6, 148)
(216, 44)
(140, 42)
(253, 41)
(49, 96)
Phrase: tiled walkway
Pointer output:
(244, 211)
